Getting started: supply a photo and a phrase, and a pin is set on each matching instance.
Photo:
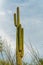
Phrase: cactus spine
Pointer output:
(19, 38)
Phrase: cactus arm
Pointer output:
(15, 19)
(18, 17)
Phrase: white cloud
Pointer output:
(1, 3)
(9, 11)
(20, 4)
(30, 21)
(2, 13)
(35, 21)
(9, 40)
(5, 12)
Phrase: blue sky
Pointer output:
(31, 16)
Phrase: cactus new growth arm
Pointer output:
(19, 38)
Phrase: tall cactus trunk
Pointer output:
(19, 38)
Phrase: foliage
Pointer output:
(10, 60)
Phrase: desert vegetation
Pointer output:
(6, 57)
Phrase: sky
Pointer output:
(31, 18)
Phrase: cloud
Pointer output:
(9, 40)
(9, 11)
(20, 4)
(30, 11)
(2, 13)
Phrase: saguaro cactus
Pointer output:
(19, 38)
